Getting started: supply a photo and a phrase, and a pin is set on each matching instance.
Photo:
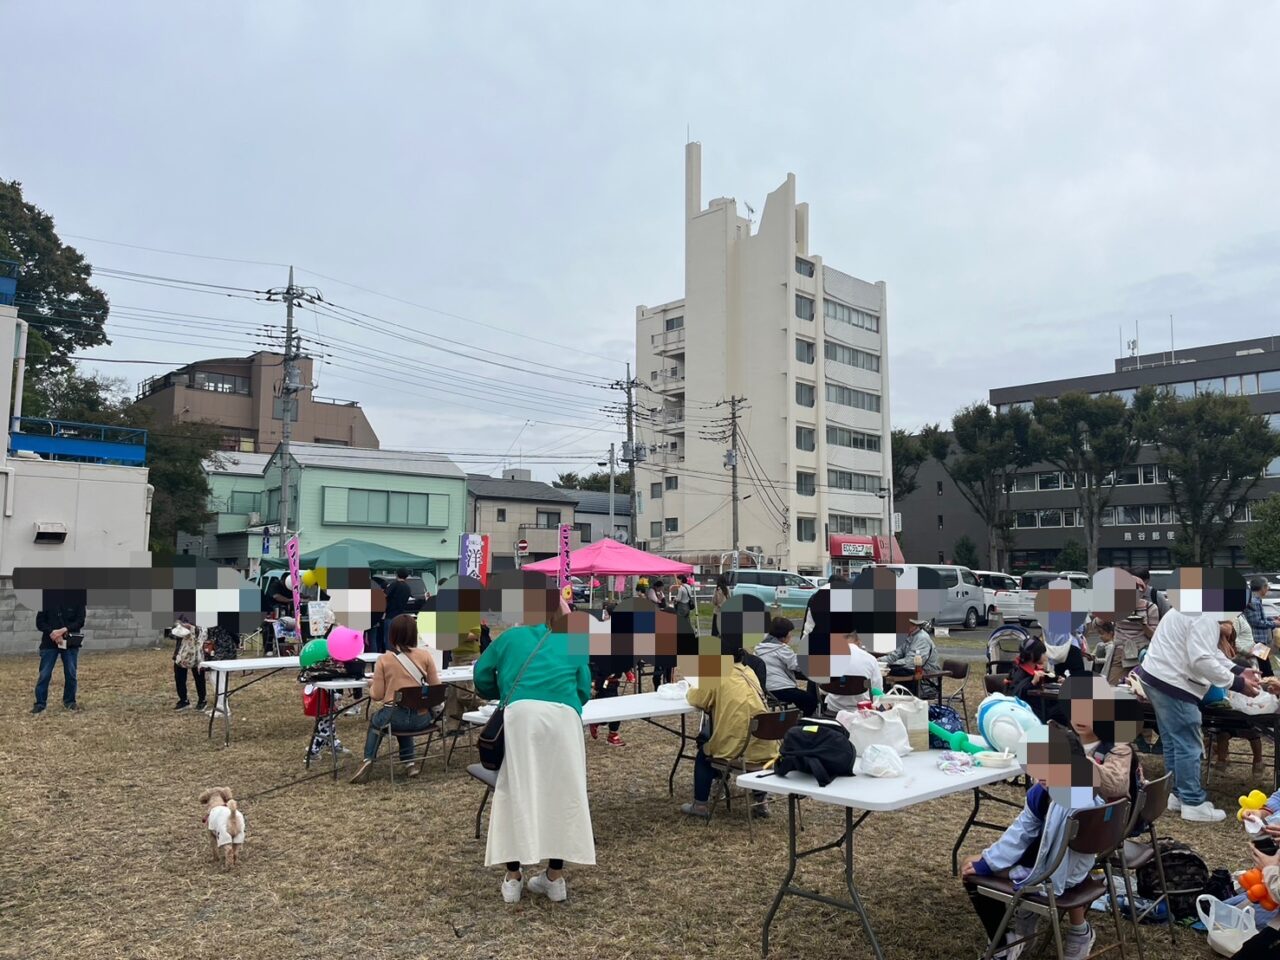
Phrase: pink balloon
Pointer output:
(345, 643)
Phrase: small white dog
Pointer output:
(225, 824)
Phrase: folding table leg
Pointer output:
(848, 880)
(786, 881)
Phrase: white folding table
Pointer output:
(922, 782)
(648, 707)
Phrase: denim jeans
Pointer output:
(704, 775)
(402, 721)
(1182, 737)
(48, 657)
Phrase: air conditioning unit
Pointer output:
(255, 519)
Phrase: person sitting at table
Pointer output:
(860, 664)
(902, 662)
(462, 697)
(730, 702)
(1034, 838)
(392, 673)
(1237, 649)
(782, 668)
(1031, 671)
(1107, 725)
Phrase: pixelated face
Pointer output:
(1063, 608)
(1114, 594)
(455, 611)
(1100, 711)
(1056, 760)
(353, 596)
(638, 630)
(520, 598)
(1216, 590)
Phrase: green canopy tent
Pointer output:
(352, 554)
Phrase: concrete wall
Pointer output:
(106, 628)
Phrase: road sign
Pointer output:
(897, 522)
(522, 547)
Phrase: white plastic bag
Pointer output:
(881, 761)
(868, 727)
(1229, 927)
(674, 691)
(1263, 703)
(914, 713)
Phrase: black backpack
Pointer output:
(1184, 870)
(819, 747)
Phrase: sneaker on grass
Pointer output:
(553, 890)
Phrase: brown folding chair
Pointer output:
(842, 687)
(956, 670)
(489, 778)
(1148, 807)
(772, 726)
(1098, 831)
(412, 699)
(995, 683)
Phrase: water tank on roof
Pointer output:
(516, 474)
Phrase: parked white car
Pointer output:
(1004, 597)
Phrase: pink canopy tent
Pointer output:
(609, 558)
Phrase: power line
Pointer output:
(174, 253)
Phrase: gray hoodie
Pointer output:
(780, 663)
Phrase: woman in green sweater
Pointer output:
(540, 809)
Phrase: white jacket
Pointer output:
(1184, 654)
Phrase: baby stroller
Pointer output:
(1003, 645)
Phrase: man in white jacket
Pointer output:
(1182, 663)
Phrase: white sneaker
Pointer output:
(553, 890)
(511, 889)
(1204, 813)
(1077, 946)
(1174, 803)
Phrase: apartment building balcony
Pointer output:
(670, 380)
(668, 343)
(670, 420)
(665, 458)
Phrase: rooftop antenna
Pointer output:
(1172, 355)
(1137, 340)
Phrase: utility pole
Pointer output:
(612, 462)
(289, 388)
(629, 455)
(732, 460)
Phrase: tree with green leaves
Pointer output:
(1216, 449)
(908, 455)
(1262, 542)
(981, 454)
(1072, 556)
(66, 312)
(965, 553)
(1090, 439)
(597, 482)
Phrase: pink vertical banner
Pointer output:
(619, 584)
(566, 532)
(291, 552)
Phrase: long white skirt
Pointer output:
(540, 809)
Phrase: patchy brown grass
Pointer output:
(104, 855)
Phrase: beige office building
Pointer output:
(806, 345)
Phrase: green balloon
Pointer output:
(315, 651)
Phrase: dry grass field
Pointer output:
(104, 855)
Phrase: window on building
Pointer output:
(1024, 482)
(849, 397)
(832, 310)
(1148, 473)
(240, 440)
(855, 439)
(804, 307)
(655, 491)
(1126, 395)
(847, 523)
(806, 529)
(1128, 516)
(804, 394)
(245, 501)
(1269, 381)
(804, 267)
(220, 382)
(672, 524)
(1128, 477)
(850, 356)
(1272, 468)
(939, 488)
(1165, 513)
(673, 323)
(1024, 519)
(806, 439)
(848, 480)
(655, 529)
(548, 518)
(1050, 518)
(671, 483)
(1186, 389)
(806, 483)
(1248, 384)
(1212, 385)
(502, 515)
(1068, 481)
(1108, 517)
(1050, 481)
(805, 350)
(1069, 517)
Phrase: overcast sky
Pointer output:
(1026, 178)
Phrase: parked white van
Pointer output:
(1003, 593)
(964, 603)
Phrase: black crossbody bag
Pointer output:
(492, 744)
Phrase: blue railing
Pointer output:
(8, 282)
(83, 442)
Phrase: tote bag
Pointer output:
(867, 727)
(914, 713)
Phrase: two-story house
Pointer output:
(516, 507)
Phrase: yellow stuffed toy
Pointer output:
(1254, 801)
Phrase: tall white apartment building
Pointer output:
(806, 345)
